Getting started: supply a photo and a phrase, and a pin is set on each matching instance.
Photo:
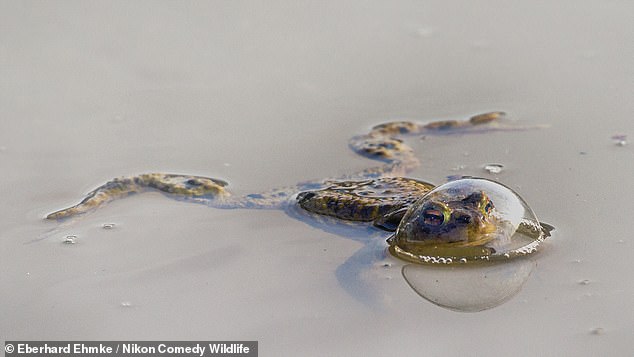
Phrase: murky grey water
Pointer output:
(268, 95)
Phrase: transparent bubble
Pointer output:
(71, 239)
(467, 220)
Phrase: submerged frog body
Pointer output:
(462, 223)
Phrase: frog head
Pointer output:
(465, 221)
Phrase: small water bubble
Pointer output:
(387, 265)
(494, 168)
(463, 260)
(108, 225)
(126, 304)
(71, 239)
(620, 139)
(507, 255)
(597, 331)
(584, 282)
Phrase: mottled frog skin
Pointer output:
(379, 195)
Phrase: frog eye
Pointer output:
(193, 182)
(488, 207)
(435, 215)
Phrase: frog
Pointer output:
(382, 196)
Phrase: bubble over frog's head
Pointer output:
(463, 220)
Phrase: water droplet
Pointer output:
(108, 226)
(507, 255)
(463, 260)
(71, 239)
(584, 282)
(620, 139)
(126, 304)
(597, 331)
(387, 265)
(493, 168)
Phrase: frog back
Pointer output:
(365, 200)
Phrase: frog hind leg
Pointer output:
(383, 142)
(178, 186)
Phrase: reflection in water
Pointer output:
(469, 288)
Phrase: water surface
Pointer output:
(268, 95)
